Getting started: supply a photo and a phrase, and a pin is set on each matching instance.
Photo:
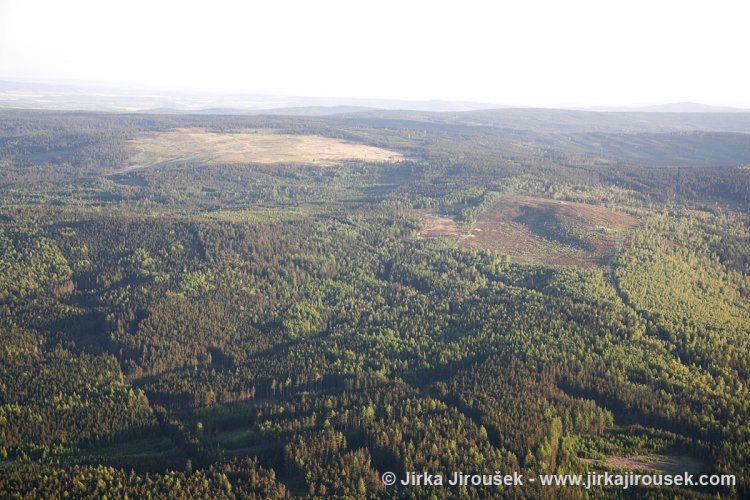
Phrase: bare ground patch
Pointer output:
(253, 146)
(662, 463)
(436, 226)
(540, 230)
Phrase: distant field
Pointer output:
(254, 146)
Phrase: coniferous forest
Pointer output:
(218, 306)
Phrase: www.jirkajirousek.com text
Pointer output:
(622, 480)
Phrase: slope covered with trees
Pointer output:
(266, 330)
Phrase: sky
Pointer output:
(523, 53)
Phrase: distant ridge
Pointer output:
(294, 111)
(70, 97)
(674, 107)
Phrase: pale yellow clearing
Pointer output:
(252, 146)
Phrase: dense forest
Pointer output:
(517, 290)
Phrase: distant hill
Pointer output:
(674, 107)
(296, 111)
(565, 121)
(30, 95)
(661, 118)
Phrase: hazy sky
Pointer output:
(520, 52)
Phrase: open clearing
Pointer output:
(662, 463)
(541, 231)
(251, 146)
(435, 226)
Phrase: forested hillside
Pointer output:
(474, 292)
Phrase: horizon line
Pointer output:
(144, 91)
